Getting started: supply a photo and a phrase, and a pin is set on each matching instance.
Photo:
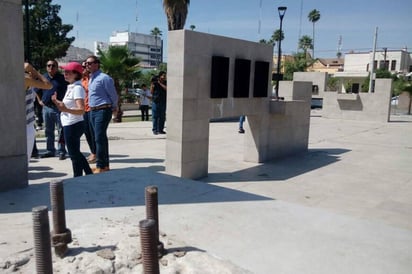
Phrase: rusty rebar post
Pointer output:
(61, 236)
(42, 247)
(148, 244)
(152, 212)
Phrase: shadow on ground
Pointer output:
(281, 169)
(126, 187)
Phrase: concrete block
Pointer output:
(13, 159)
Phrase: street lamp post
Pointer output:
(281, 11)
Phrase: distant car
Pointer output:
(316, 103)
(136, 92)
(394, 100)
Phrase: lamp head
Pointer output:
(282, 11)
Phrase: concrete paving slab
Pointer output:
(343, 207)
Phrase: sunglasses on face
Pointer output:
(51, 65)
(90, 63)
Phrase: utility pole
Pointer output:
(385, 50)
(372, 64)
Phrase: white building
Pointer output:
(396, 61)
(357, 66)
(148, 48)
(100, 45)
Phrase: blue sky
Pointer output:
(353, 20)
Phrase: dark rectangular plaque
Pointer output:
(242, 78)
(220, 77)
(260, 85)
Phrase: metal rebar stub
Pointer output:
(42, 247)
(61, 236)
(148, 244)
(152, 212)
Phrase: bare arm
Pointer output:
(163, 86)
(32, 78)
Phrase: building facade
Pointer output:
(329, 65)
(148, 48)
(396, 61)
(357, 67)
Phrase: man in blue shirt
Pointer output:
(103, 106)
(51, 115)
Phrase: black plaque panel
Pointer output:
(260, 86)
(220, 77)
(242, 78)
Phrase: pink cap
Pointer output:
(74, 66)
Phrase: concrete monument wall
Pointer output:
(362, 106)
(273, 129)
(13, 160)
(318, 79)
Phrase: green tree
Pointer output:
(277, 36)
(380, 73)
(163, 67)
(192, 27)
(305, 43)
(264, 41)
(299, 63)
(48, 35)
(156, 32)
(313, 17)
(119, 63)
(332, 83)
(176, 13)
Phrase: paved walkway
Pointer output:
(343, 207)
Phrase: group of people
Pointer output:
(156, 94)
(82, 100)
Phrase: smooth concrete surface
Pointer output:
(189, 97)
(374, 107)
(13, 159)
(318, 79)
(343, 207)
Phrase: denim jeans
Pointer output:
(241, 121)
(88, 131)
(51, 117)
(158, 116)
(72, 136)
(100, 120)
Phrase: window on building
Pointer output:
(384, 64)
(393, 65)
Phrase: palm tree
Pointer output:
(277, 36)
(176, 13)
(156, 32)
(305, 43)
(118, 62)
(313, 17)
(192, 27)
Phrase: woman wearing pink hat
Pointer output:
(72, 110)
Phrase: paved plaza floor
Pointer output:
(343, 207)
